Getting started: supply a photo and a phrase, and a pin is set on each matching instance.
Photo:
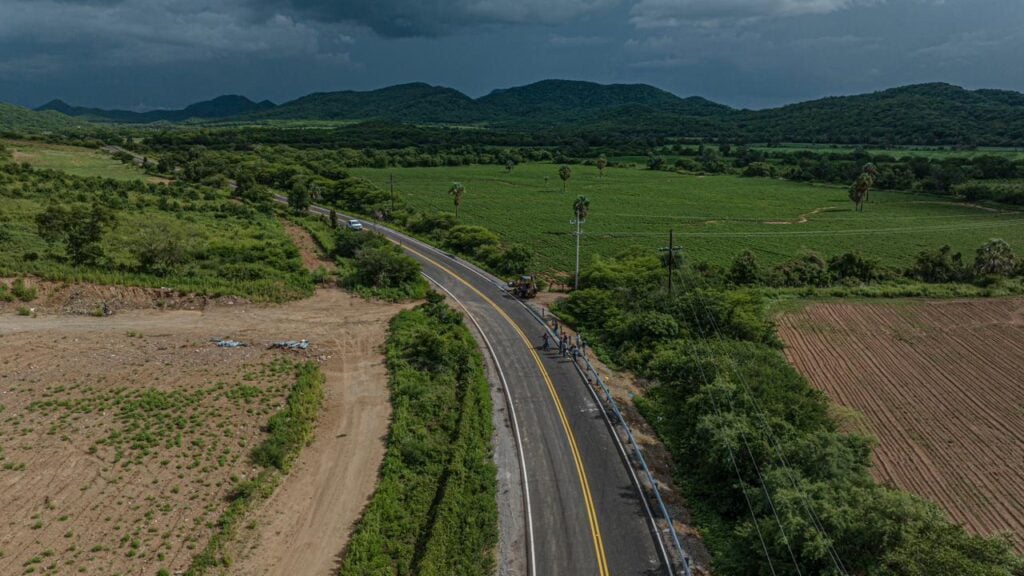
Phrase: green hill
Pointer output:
(16, 118)
(220, 107)
(416, 103)
(923, 114)
(918, 114)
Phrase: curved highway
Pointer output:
(586, 513)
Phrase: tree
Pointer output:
(994, 258)
(745, 270)
(871, 170)
(333, 218)
(79, 227)
(581, 207)
(564, 172)
(456, 191)
(859, 190)
(602, 163)
(160, 248)
(298, 198)
(384, 266)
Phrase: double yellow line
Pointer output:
(595, 531)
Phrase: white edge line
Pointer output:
(515, 425)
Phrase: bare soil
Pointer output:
(120, 436)
(939, 385)
(312, 254)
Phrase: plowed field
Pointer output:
(941, 385)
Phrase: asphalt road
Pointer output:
(586, 514)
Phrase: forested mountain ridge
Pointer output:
(922, 114)
(226, 106)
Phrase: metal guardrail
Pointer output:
(683, 559)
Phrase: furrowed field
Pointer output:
(714, 217)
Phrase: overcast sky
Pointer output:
(141, 54)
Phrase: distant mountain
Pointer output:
(416, 103)
(21, 119)
(559, 101)
(220, 107)
(929, 114)
(918, 114)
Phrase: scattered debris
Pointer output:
(291, 344)
(227, 343)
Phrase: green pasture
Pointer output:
(74, 160)
(714, 217)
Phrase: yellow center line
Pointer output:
(595, 531)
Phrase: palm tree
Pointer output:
(457, 190)
(871, 170)
(581, 207)
(565, 172)
(859, 190)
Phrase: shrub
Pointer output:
(384, 267)
(745, 270)
(807, 270)
(852, 265)
(469, 240)
(759, 170)
(942, 265)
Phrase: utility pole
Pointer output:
(579, 232)
(392, 178)
(671, 250)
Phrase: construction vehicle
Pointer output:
(524, 287)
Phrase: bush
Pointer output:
(292, 427)
(807, 270)
(745, 270)
(942, 265)
(759, 170)
(854, 266)
(385, 267)
(348, 243)
(469, 240)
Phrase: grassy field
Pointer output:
(714, 217)
(74, 160)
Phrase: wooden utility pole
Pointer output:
(391, 177)
(671, 250)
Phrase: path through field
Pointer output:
(939, 384)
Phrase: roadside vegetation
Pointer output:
(434, 511)
(775, 487)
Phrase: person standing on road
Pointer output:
(545, 338)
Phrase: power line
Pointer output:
(773, 440)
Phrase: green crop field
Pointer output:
(74, 160)
(714, 217)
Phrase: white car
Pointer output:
(355, 225)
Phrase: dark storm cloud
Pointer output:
(413, 18)
(140, 53)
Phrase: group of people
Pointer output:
(568, 346)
